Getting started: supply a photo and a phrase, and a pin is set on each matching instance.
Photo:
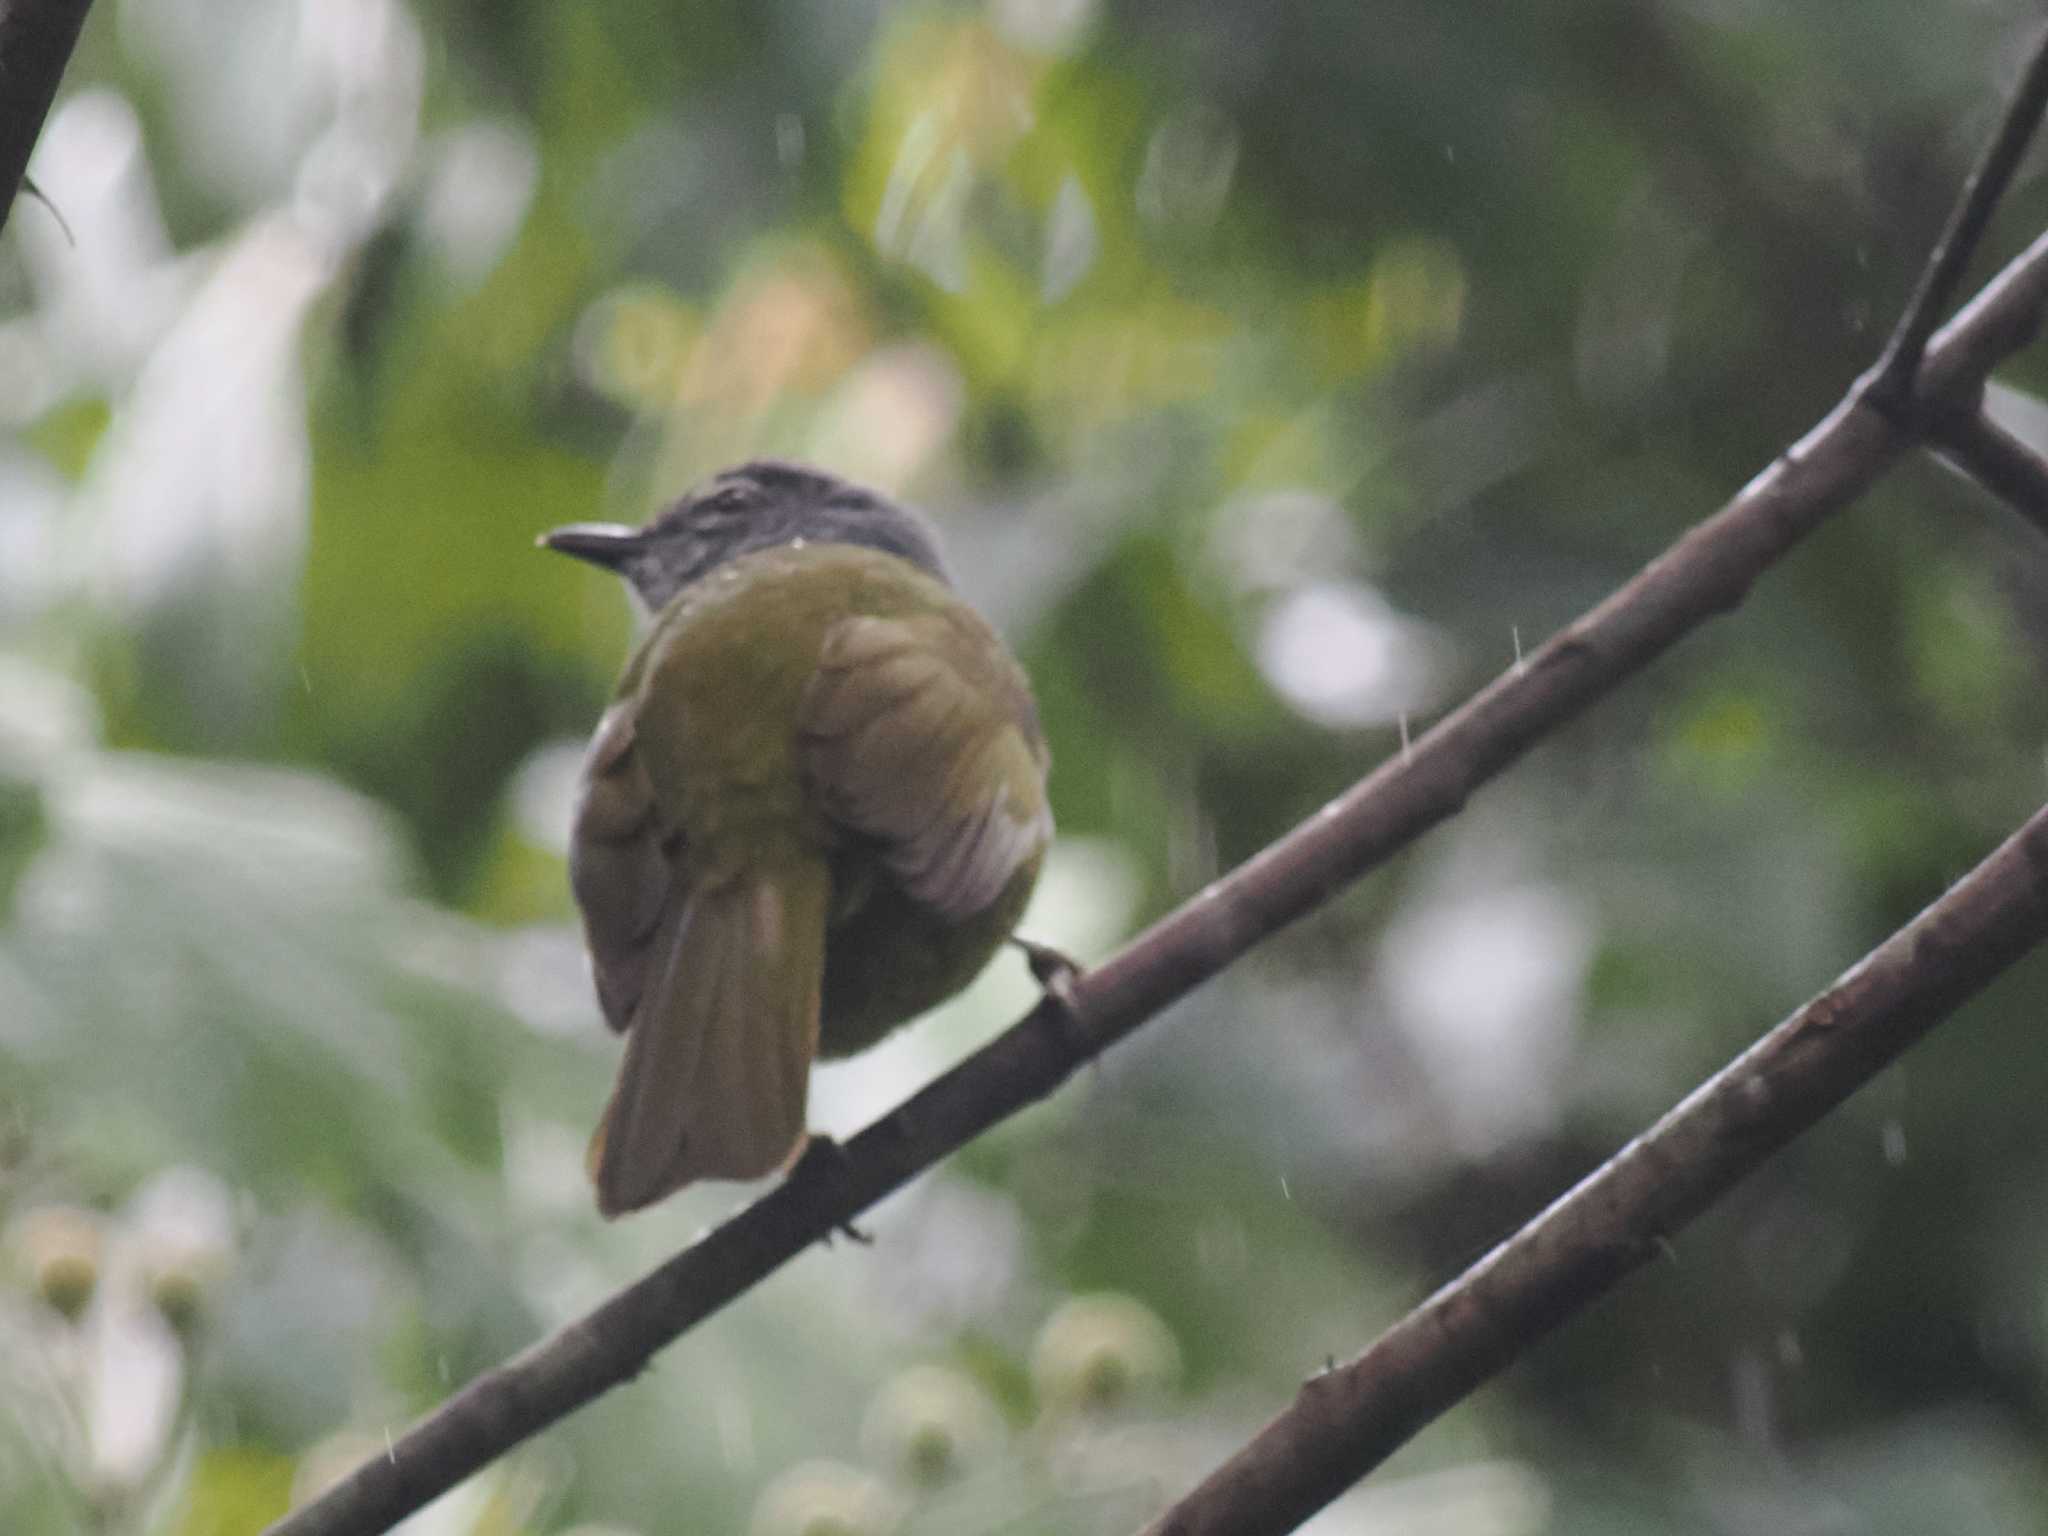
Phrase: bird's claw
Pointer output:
(824, 1158)
(1052, 969)
(1056, 972)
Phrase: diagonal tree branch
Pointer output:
(1996, 460)
(36, 39)
(1350, 1419)
(1890, 385)
(1706, 572)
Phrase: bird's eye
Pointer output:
(729, 501)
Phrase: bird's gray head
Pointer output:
(757, 505)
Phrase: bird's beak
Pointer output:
(610, 545)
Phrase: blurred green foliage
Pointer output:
(1277, 375)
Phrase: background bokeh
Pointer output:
(1275, 373)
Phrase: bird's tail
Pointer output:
(718, 1055)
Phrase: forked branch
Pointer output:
(1890, 385)
(1347, 1421)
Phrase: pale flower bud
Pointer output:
(929, 1424)
(826, 1498)
(59, 1248)
(1099, 1352)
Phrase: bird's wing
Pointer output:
(918, 732)
(621, 865)
(713, 979)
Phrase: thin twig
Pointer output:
(1706, 572)
(1996, 460)
(1348, 1420)
(1890, 388)
(36, 39)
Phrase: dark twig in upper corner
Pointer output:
(36, 39)
(1890, 386)
(1346, 1421)
(1996, 460)
(1706, 572)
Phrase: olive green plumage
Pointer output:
(814, 810)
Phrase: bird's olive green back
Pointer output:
(721, 682)
(832, 702)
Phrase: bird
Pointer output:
(814, 809)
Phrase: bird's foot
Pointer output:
(824, 1159)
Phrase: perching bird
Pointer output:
(814, 810)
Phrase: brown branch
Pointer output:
(1890, 384)
(1348, 1420)
(1996, 460)
(36, 38)
(1704, 573)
